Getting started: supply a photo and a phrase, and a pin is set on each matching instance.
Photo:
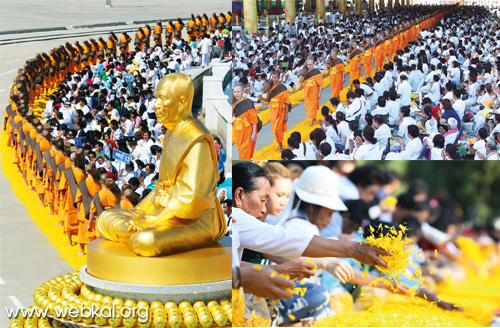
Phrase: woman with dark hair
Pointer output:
(437, 149)
(251, 190)
(448, 112)
(367, 148)
(452, 153)
(429, 122)
(381, 109)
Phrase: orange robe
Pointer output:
(157, 35)
(337, 77)
(111, 44)
(44, 145)
(123, 44)
(387, 48)
(354, 72)
(379, 54)
(191, 24)
(67, 209)
(92, 187)
(213, 24)
(178, 27)
(312, 82)
(169, 33)
(204, 22)
(108, 200)
(126, 205)
(368, 59)
(243, 129)
(229, 20)
(279, 99)
(198, 24)
(147, 36)
(395, 45)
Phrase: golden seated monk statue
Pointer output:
(182, 213)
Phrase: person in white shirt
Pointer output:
(342, 126)
(437, 148)
(451, 135)
(435, 90)
(382, 131)
(480, 145)
(393, 108)
(492, 153)
(355, 108)
(127, 126)
(454, 73)
(458, 104)
(139, 152)
(381, 108)
(205, 46)
(367, 148)
(404, 91)
(407, 121)
(251, 190)
(410, 150)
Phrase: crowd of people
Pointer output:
(98, 100)
(284, 210)
(423, 84)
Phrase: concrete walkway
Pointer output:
(32, 14)
(26, 257)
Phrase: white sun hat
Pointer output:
(319, 185)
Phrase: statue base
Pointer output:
(163, 293)
(116, 263)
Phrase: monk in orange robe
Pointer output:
(336, 67)
(147, 35)
(229, 19)
(44, 145)
(139, 38)
(245, 124)
(368, 56)
(313, 84)
(191, 28)
(387, 47)
(395, 42)
(106, 198)
(124, 41)
(355, 63)
(205, 22)
(198, 26)
(70, 179)
(214, 21)
(179, 25)
(86, 191)
(169, 32)
(111, 44)
(222, 22)
(157, 34)
(279, 106)
(129, 200)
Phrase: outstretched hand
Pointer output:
(369, 254)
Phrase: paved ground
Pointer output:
(26, 258)
(30, 14)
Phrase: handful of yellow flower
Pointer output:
(396, 242)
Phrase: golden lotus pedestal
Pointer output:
(113, 269)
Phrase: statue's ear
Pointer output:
(183, 103)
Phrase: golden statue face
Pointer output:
(174, 100)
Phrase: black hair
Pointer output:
(246, 175)
(369, 134)
(367, 175)
(413, 131)
(412, 226)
